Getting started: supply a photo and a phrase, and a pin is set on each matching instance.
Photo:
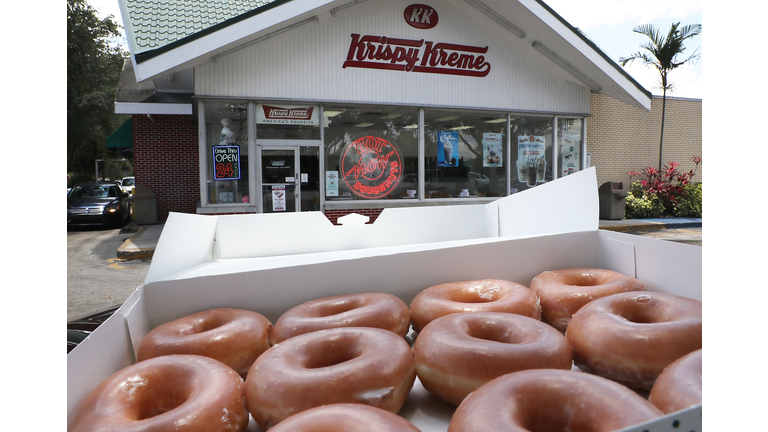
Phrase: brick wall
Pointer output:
(334, 215)
(623, 138)
(165, 159)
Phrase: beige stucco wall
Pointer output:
(623, 138)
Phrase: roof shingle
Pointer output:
(156, 23)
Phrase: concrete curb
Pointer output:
(130, 251)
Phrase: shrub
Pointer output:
(641, 205)
(666, 192)
(689, 203)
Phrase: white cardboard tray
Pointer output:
(200, 265)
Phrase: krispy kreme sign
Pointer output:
(286, 114)
(411, 55)
(371, 166)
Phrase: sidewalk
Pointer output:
(141, 245)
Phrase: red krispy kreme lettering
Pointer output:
(381, 52)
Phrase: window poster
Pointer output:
(492, 149)
(226, 162)
(570, 146)
(332, 183)
(278, 198)
(531, 165)
(448, 148)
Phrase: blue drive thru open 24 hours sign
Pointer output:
(226, 162)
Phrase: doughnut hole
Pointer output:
(588, 279)
(157, 393)
(329, 353)
(160, 403)
(479, 293)
(495, 331)
(642, 309)
(541, 411)
(337, 307)
(203, 325)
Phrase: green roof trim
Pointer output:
(122, 137)
(589, 42)
(194, 29)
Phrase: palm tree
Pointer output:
(661, 52)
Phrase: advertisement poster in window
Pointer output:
(492, 149)
(278, 198)
(531, 165)
(226, 162)
(570, 144)
(448, 148)
(332, 183)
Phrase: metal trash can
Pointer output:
(612, 200)
(144, 205)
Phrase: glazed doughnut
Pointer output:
(175, 392)
(551, 400)
(234, 337)
(563, 292)
(679, 386)
(353, 310)
(342, 365)
(457, 353)
(345, 418)
(631, 337)
(486, 295)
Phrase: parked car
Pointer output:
(128, 183)
(97, 203)
(479, 181)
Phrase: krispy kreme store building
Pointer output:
(341, 107)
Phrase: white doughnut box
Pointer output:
(269, 263)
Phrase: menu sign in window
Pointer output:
(226, 162)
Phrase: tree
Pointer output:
(662, 52)
(93, 72)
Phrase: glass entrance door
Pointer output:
(280, 187)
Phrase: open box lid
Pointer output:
(566, 205)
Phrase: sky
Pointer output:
(611, 30)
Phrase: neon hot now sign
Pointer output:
(371, 166)
(409, 55)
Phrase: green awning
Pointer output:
(122, 137)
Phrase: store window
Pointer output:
(226, 141)
(465, 154)
(569, 135)
(532, 139)
(371, 152)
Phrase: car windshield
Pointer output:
(128, 182)
(93, 191)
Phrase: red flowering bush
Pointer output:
(665, 188)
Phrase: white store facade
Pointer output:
(339, 106)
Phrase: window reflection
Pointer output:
(465, 154)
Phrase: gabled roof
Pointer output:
(156, 24)
(171, 35)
